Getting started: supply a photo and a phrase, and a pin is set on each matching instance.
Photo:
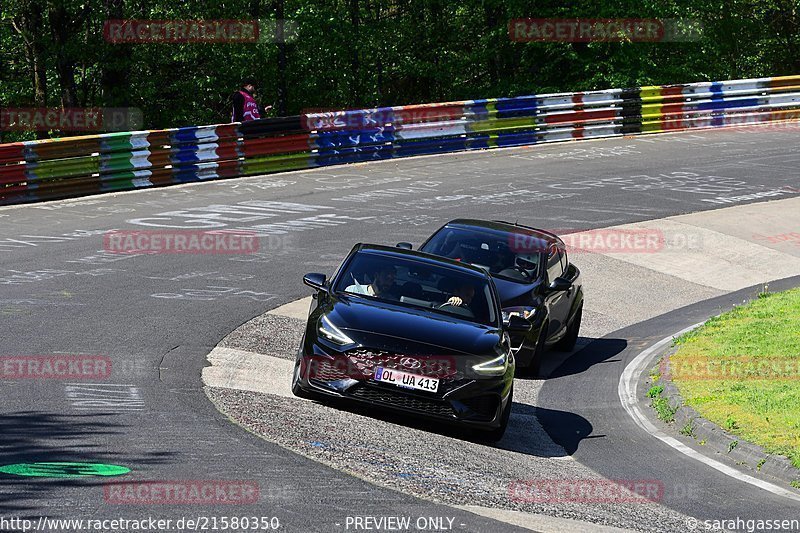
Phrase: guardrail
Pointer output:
(76, 166)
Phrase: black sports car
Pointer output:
(411, 332)
(533, 276)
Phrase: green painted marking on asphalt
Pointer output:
(63, 470)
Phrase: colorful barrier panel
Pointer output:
(76, 166)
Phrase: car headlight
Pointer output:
(493, 367)
(524, 312)
(330, 332)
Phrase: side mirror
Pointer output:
(404, 245)
(517, 324)
(315, 281)
(560, 284)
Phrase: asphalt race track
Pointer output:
(158, 316)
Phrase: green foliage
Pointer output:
(664, 411)
(356, 53)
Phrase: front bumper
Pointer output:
(461, 399)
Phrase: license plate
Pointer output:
(406, 379)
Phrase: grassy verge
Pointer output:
(664, 411)
(741, 370)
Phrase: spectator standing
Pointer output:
(245, 108)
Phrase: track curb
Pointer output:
(713, 437)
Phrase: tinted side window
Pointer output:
(554, 259)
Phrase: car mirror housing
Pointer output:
(404, 245)
(559, 284)
(315, 281)
(517, 324)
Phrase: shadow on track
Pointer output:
(524, 434)
(37, 436)
(560, 364)
(569, 431)
(596, 352)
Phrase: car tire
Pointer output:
(531, 370)
(571, 337)
(497, 433)
(297, 390)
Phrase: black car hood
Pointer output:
(402, 329)
(511, 291)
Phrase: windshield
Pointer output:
(500, 254)
(421, 285)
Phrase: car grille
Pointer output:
(441, 367)
(404, 401)
(360, 365)
(324, 370)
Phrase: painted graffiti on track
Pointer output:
(104, 397)
(243, 216)
(213, 293)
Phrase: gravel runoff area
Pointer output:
(416, 457)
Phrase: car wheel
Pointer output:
(297, 390)
(497, 434)
(568, 342)
(532, 369)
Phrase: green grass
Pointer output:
(741, 370)
(664, 410)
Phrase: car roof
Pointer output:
(391, 251)
(506, 228)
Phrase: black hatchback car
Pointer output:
(406, 331)
(533, 275)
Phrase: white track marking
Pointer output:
(628, 383)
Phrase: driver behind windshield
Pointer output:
(524, 267)
(382, 285)
(462, 295)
